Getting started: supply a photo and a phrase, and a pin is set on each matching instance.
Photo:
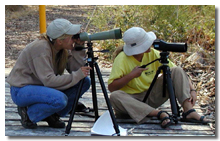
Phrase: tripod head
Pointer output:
(79, 48)
(163, 59)
(90, 51)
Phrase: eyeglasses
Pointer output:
(76, 36)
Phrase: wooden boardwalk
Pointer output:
(82, 124)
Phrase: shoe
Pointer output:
(25, 121)
(55, 121)
(165, 118)
(82, 108)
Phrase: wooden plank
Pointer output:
(85, 128)
(169, 135)
(183, 132)
(82, 125)
(44, 131)
(154, 126)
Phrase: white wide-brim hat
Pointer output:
(137, 41)
(59, 27)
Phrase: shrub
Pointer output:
(172, 23)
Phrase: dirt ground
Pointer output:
(24, 28)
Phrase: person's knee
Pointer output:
(177, 70)
(60, 102)
(87, 82)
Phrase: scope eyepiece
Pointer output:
(76, 36)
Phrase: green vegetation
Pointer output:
(172, 23)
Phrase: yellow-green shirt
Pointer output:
(124, 64)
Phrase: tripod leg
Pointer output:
(68, 128)
(94, 96)
(107, 99)
(164, 81)
(152, 84)
(172, 96)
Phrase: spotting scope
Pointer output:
(174, 47)
(110, 34)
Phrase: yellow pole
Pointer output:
(42, 18)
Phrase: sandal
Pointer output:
(184, 119)
(165, 118)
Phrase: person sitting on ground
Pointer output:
(39, 86)
(128, 83)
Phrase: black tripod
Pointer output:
(167, 83)
(91, 60)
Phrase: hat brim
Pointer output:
(141, 48)
(74, 29)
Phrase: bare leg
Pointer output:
(187, 105)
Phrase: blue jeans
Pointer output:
(44, 101)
